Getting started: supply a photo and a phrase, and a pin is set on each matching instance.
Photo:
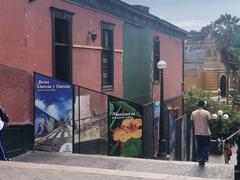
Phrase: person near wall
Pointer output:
(3, 122)
(200, 120)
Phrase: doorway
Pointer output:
(223, 85)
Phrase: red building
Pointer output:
(83, 42)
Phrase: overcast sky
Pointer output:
(190, 14)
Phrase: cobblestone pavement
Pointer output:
(76, 166)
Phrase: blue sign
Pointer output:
(172, 134)
(156, 118)
(53, 113)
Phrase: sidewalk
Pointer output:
(94, 167)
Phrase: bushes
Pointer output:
(228, 127)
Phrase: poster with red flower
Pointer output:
(125, 132)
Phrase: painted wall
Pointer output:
(192, 81)
(87, 54)
(16, 87)
(26, 36)
(171, 51)
(26, 46)
(137, 64)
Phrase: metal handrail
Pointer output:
(232, 138)
(180, 117)
(236, 133)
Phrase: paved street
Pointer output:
(32, 171)
(49, 165)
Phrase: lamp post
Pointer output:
(161, 65)
(220, 115)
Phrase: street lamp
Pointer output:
(219, 116)
(225, 116)
(161, 65)
(220, 113)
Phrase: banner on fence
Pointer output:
(53, 114)
(184, 138)
(125, 122)
(172, 135)
(156, 118)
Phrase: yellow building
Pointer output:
(203, 67)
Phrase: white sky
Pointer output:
(190, 14)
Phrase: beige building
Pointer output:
(203, 67)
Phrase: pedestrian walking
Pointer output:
(3, 121)
(200, 119)
(227, 152)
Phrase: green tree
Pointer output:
(222, 30)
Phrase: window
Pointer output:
(62, 44)
(107, 55)
(156, 57)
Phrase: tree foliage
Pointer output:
(223, 30)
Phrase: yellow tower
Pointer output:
(214, 73)
(204, 69)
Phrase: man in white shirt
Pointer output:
(200, 120)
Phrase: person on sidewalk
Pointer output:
(200, 120)
(227, 152)
(3, 122)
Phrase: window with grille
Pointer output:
(156, 57)
(107, 55)
(62, 44)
